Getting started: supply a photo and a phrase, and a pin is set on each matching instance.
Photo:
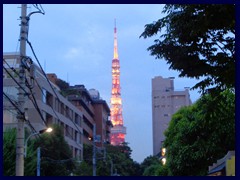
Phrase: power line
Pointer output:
(11, 111)
(57, 114)
(10, 100)
(34, 101)
(15, 80)
(29, 43)
(22, 113)
(28, 94)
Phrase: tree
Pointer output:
(63, 85)
(201, 134)
(83, 169)
(162, 171)
(148, 161)
(117, 158)
(152, 170)
(9, 154)
(152, 166)
(55, 154)
(199, 42)
(121, 157)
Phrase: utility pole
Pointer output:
(21, 95)
(111, 168)
(94, 150)
(38, 161)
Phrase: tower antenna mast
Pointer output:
(118, 131)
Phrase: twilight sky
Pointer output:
(76, 43)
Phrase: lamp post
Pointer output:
(38, 160)
(48, 130)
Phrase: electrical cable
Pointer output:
(10, 100)
(33, 100)
(15, 80)
(29, 43)
(56, 113)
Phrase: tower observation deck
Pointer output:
(118, 131)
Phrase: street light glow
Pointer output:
(163, 151)
(49, 130)
(164, 161)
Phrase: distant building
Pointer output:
(102, 118)
(76, 112)
(95, 111)
(54, 108)
(81, 98)
(165, 102)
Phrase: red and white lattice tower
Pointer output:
(118, 131)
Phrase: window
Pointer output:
(76, 155)
(49, 119)
(44, 95)
(11, 91)
(49, 99)
(76, 119)
(62, 108)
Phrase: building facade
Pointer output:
(53, 107)
(95, 111)
(102, 118)
(165, 102)
(81, 98)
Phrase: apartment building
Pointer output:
(102, 118)
(165, 102)
(95, 111)
(53, 107)
(81, 98)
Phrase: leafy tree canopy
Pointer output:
(56, 154)
(198, 40)
(9, 154)
(200, 134)
(117, 160)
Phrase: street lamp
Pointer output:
(164, 160)
(163, 153)
(48, 130)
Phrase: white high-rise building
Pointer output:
(165, 102)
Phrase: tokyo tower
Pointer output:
(118, 131)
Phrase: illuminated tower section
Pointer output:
(118, 131)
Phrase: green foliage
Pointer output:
(63, 85)
(117, 158)
(148, 161)
(152, 166)
(200, 134)
(83, 169)
(121, 158)
(162, 171)
(152, 170)
(55, 154)
(9, 154)
(199, 42)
